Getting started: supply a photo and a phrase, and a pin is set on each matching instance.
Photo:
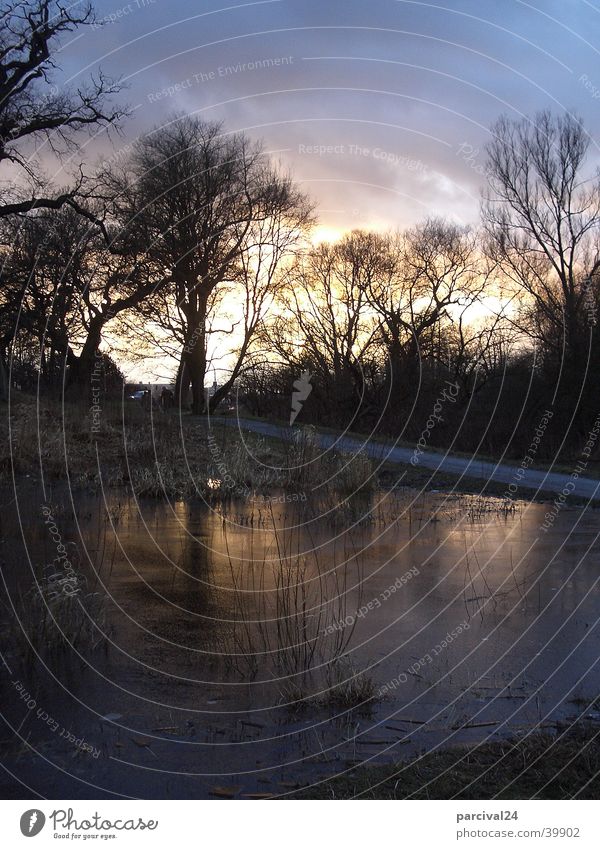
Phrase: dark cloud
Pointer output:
(381, 108)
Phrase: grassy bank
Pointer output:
(391, 475)
(160, 453)
(566, 766)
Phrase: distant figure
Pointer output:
(147, 399)
(167, 399)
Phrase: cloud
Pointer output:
(412, 83)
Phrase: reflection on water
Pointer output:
(265, 643)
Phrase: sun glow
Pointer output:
(326, 233)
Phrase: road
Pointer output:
(531, 479)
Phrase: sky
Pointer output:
(380, 109)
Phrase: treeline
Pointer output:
(475, 334)
(193, 234)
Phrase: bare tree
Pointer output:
(33, 109)
(436, 276)
(324, 323)
(194, 196)
(37, 295)
(62, 285)
(476, 350)
(542, 215)
(270, 245)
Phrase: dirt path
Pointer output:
(532, 479)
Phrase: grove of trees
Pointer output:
(197, 234)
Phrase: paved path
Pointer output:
(550, 482)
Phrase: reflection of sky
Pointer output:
(387, 91)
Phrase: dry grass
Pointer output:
(540, 766)
(163, 454)
(283, 610)
(344, 689)
(348, 687)
(65, 613)
(57, 614)
(310, 465)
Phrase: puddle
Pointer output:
(454, 620)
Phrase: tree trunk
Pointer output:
(82, 367)
(194, 355)
(196, 366)
(182, 383)
(222, 391)
(3, 378)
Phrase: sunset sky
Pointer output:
(381, 109)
